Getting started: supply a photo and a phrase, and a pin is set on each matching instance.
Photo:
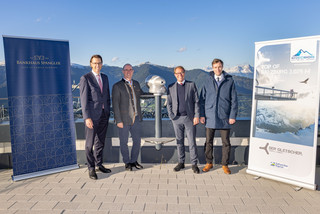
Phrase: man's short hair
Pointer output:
(180, 68)
(215, 61)
(96, 56)
(126, 65)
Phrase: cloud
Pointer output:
(40, 19)
(182, 49)
(114, 59)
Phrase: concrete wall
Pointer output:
(167, 154)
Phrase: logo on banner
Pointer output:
(265, 148)
(275, 149)
(278, 165)
(303, 51)
(39, 60)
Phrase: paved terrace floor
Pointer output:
(155, 189)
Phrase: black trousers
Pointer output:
(226, 146)
(95, 138)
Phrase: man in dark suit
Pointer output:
(183, 110)
(127, 115)
(95, 103)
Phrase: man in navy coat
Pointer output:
(218, 110)
(183, 110)
(95, 104)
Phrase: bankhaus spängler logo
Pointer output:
(38, 60)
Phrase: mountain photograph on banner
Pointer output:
(286, 93)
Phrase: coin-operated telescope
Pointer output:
(156, 84)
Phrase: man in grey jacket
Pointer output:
(127, 115)
(183, 110)
(218, 110)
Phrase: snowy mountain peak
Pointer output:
(146, 63)
(241, 70)
(207, 69)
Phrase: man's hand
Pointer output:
(232, 121)
(195, 121)
(202, 120)
(89, 123)
(120, 125)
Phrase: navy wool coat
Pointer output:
(218, 104)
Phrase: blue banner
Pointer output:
(40, 106)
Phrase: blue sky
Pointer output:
(164, 32)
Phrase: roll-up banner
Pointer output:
(40, 106)
(285, 111)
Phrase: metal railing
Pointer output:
(275, 93)
(147, 107)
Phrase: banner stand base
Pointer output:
(297, 189)
(284, 180)
(44, 172)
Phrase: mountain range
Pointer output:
(243, 76)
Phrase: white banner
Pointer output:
(284, 121)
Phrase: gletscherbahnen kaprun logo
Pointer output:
(303, 51)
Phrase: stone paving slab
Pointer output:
(155, 189)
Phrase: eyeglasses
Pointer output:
(96, 63)
(128, 69)
(182, 73)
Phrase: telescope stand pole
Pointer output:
(158, 125)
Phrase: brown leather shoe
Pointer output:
(207, 167)
(226, 170)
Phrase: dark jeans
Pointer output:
(226, 146)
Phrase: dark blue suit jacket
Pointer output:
(91, 97)
(191, 98)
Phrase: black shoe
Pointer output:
(128, 167)
(92, 174)
(178, 167)
(196, 169)
(137, 165)
(103, 169)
